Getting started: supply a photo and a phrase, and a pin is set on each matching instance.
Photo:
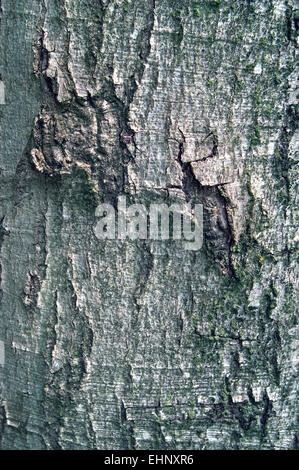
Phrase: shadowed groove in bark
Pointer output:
(193, 190)
(135, 345)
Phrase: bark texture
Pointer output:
(141, 344)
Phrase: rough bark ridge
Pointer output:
(142, 345)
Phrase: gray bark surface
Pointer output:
(141, 344)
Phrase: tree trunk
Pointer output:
(143, 344)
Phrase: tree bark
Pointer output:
(140, 344)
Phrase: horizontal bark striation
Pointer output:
(141, 344)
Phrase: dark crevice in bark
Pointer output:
(43, 54)
(3, 421)
(3, 233)
(281, 164)
(144, 274)
(229, 240)
(84, 334)
(52, 339)
(1, 16)
(251, 396)
(217, 236)
(265, 417)
(31, 291)
(189, 182)
(236, 411)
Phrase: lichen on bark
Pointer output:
(140, 344)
